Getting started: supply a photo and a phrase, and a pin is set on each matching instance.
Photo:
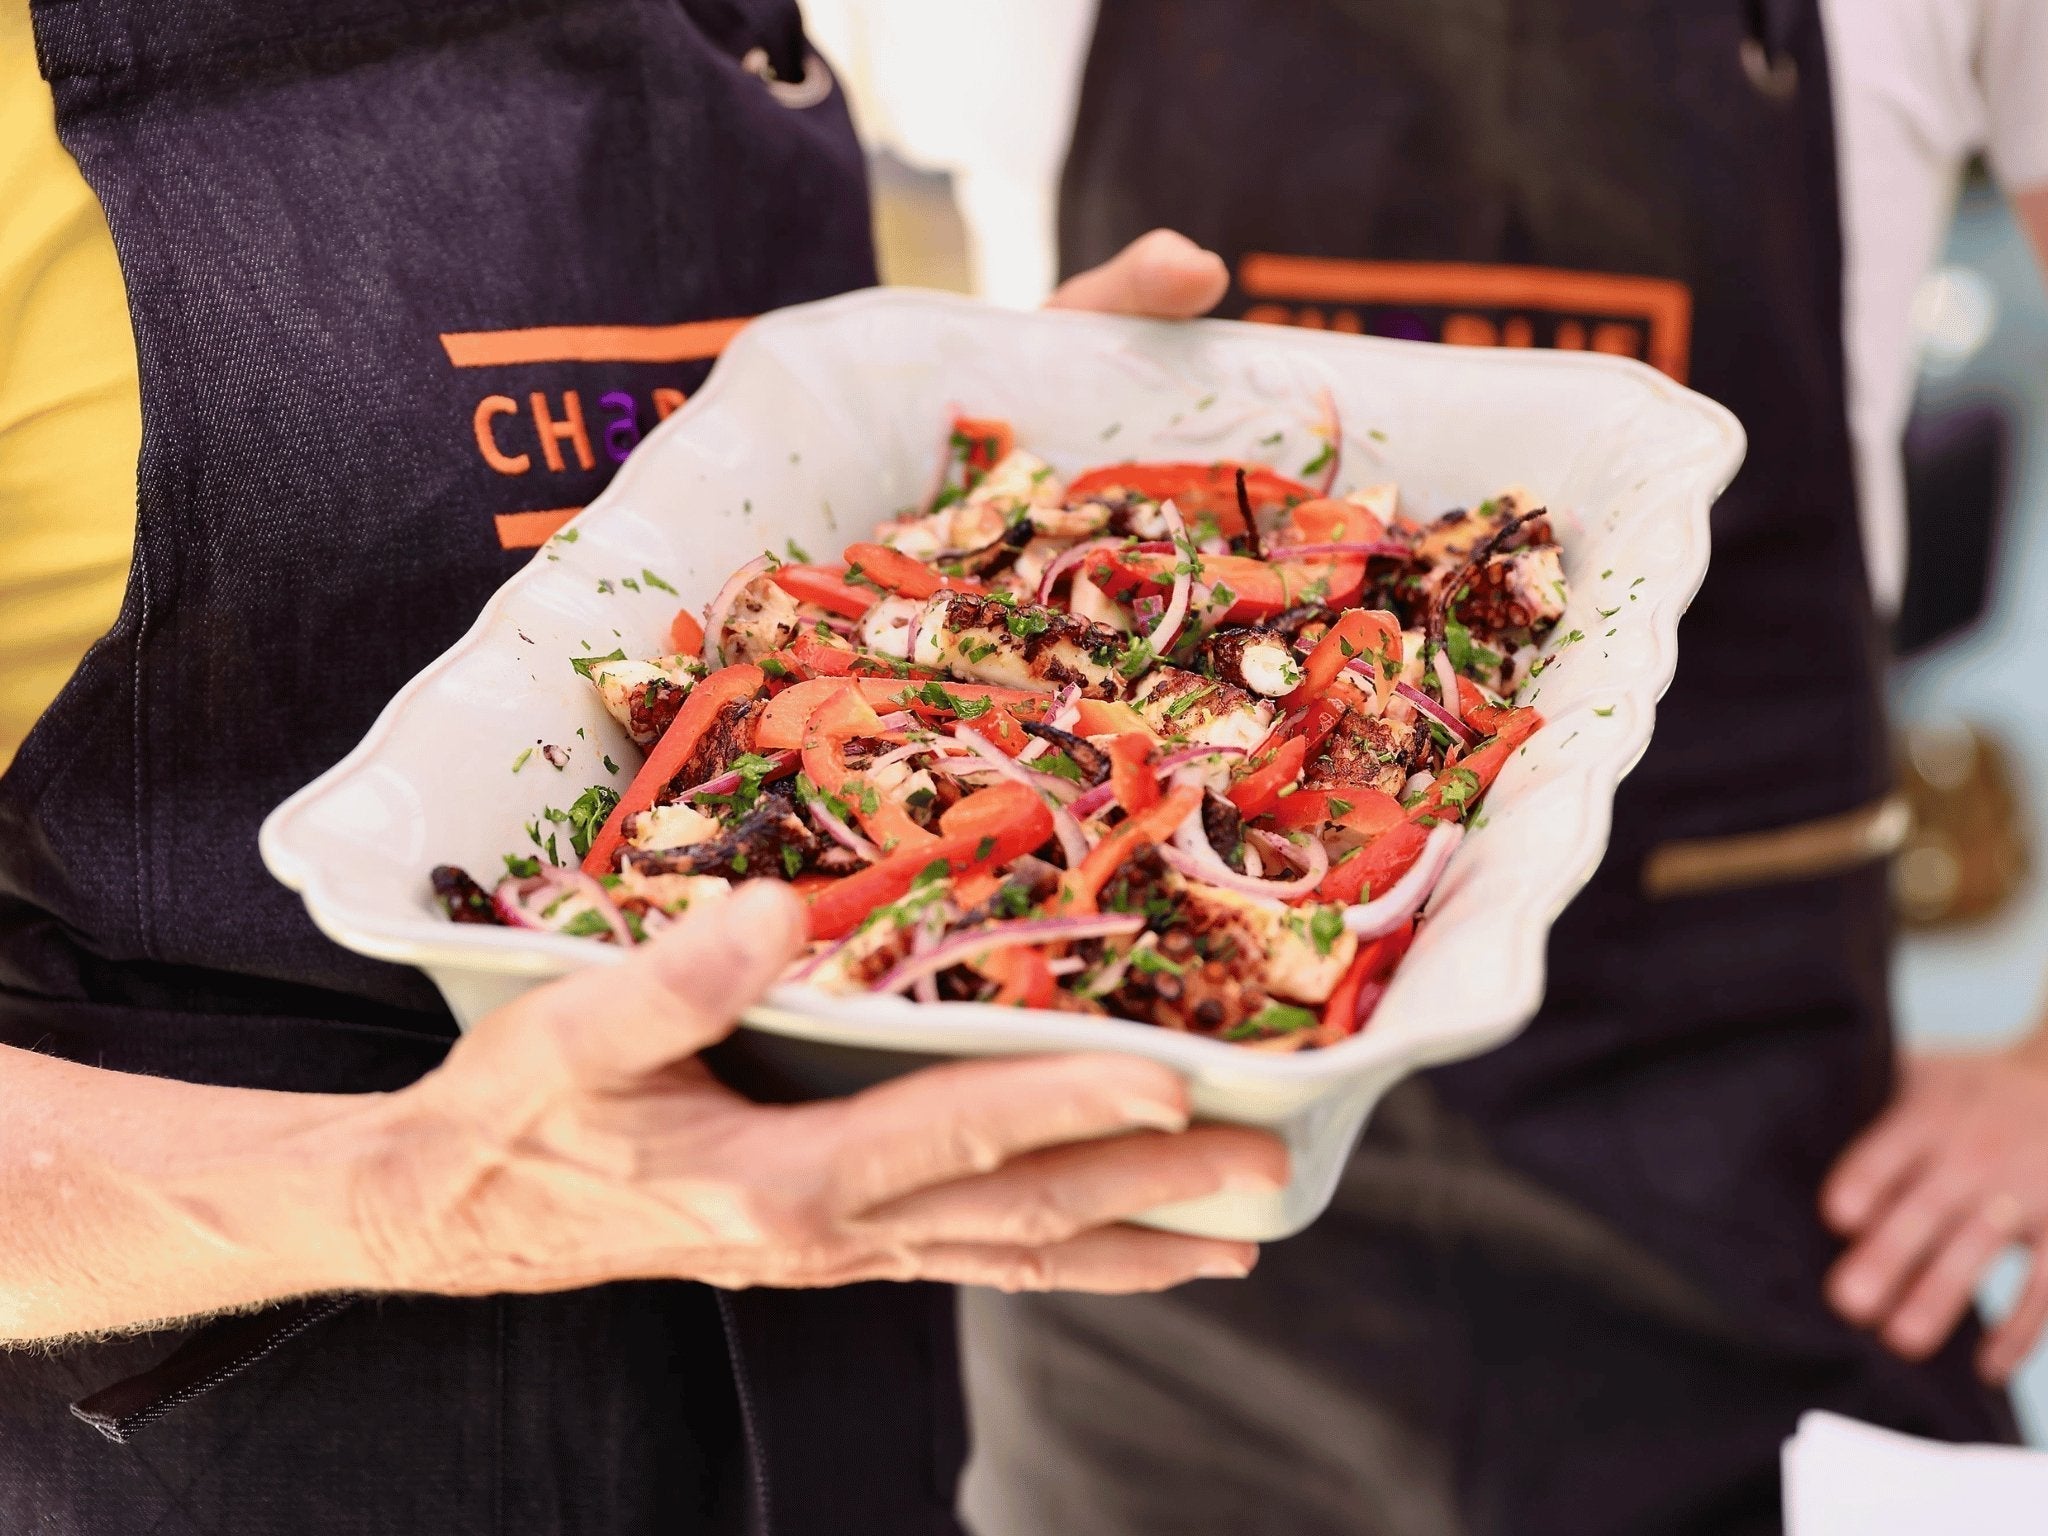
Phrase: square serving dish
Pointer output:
(820, 421)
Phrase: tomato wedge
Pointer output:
(1258, 590)
(1367, 811)
(1478, 711)
(1198, 490)
(984, 441)
(1368, 633)
(1369, 969)
(1000, 729)
(1457, 787)
(1375, 867)
(1080, 887)
(980, 834)
(1026, 978)
(893, 569)
(831, 721)
(826, 586)
(669, 754)
(1327, 521)
(685, 633)
(1131, 775)
(1101, 717)
(1259, 791)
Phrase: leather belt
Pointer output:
(1810, 850)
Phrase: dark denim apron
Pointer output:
(408, 279)
(1573, 1285)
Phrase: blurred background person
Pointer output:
(1583, 1284)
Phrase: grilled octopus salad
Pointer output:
(1188, 744)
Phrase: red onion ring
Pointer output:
(1383, 914)
(1030, 930)
(1067, 561)
(1447, 681)
(1429, 708)
(1094, 800)
(513, 899)
(1190, 854)
(839, 831)
(1160, 641)
(721, 606)
(1194, 754)
(729, 781)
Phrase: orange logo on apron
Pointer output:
(1466, 304)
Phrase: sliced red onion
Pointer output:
(1066, 965)
(1332, 429)
(1446, 680)
(1031, 930)
(1160, 641)
(725, 783)
(1194, 754)
(721, 606)
(1190, 854)
(1369, 997)
(901, 720)
(1066, 562)
(1094, 800)
(1309, 856)
(1429, 708)
(514, 898)
(1064, 715)
(1366, 548)
(1383, 914)
(1073, 841)
(809, 968)
(926, 988)
(839, 831)
(1417, 783)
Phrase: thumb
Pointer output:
(1163, 275)
(683, 990)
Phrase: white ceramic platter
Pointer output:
(823, 419)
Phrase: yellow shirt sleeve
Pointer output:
(70, 406)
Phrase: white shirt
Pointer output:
(1920, 86)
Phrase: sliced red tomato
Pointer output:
(1454, 791)
(1374, 868)
(980, 834)
(1000, 729)
(668, 755)
(1359, 633)
(1257, 590)
(1026, 979)
(1259, 791)
(826, 586)
(1080, 887)
(1368, 811)
(1103, 717)
(1131, 775)
(1198, 490)
(1370, 968)
(686, 633)
(1328, 521)
(983, 441)
(906, 577)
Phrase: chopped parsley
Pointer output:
(792, 862)
(1604, 713)
(584, 664)
(1273, 1019)
(1150, 962)
(521, 868)
(519, 762)
(1321, 460)
(1326, 927)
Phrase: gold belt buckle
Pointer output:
(1810, 850)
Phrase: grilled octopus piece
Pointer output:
(1081, 752)
(462, 898)
(749, 849)
(729, 737)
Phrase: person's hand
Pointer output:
(1163, 275)
(573, 1138)
(1955, 1171)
